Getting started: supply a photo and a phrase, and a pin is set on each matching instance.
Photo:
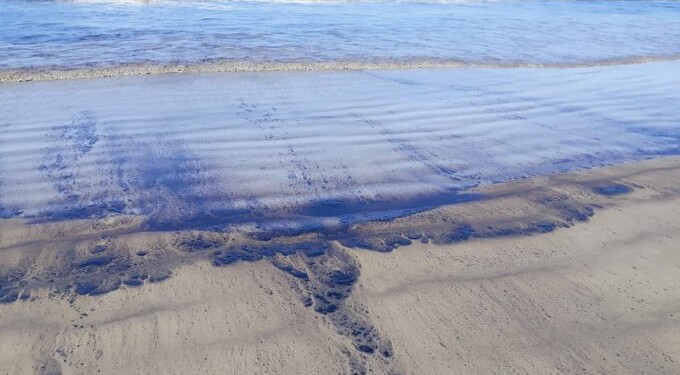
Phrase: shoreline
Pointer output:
(227, 66)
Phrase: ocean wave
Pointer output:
(70, 40)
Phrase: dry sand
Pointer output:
(600, 296)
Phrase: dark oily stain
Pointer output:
(366, 349)
(410, 150)
(175, 190)
(559, 210)
(101, 267)
(324, 272)
(6, 213)
(169, 167)
(269, 227)
(231, 255)
(544, 226)
(382, 244)
(107, 280)
(384, 209)
(306, 218)
(162, 180)
(95, 262)
(329, 279)
(67, 145)
(291, 270)
(342, 277)
(461, 233)
(333, 277)
(96, 285)
(566, 209)
(156, 275)
(218, 219)
(98, 274)
(671, 136)
(227, 257)
(98, 249)
(8, 295)
(134, 280)
(312, 249)
(76, 210)
(612, 189)
(95, 269)
(199, 243)
(12, 286)
(413, 235)
(521, 229)
(48, 366)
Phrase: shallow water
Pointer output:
(211, 149)
(108, 33)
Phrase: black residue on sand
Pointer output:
(229, 255)
(612, 189)
(313, 255)
(108, 268)
(174, 194)
(559, 211)
(326, 282)
(7, 213)
(11, 287)
(384, 209)
(100, 270)
(106, 265)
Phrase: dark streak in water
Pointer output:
(304, 173)
(377, 209)
(411, 151)
(67, 145)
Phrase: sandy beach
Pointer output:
(592, 296)
(339, 187)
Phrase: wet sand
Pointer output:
(197, 150)
(567, 273)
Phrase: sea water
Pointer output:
(565, 85)
(67, 34)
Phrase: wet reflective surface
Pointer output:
(105, 33)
